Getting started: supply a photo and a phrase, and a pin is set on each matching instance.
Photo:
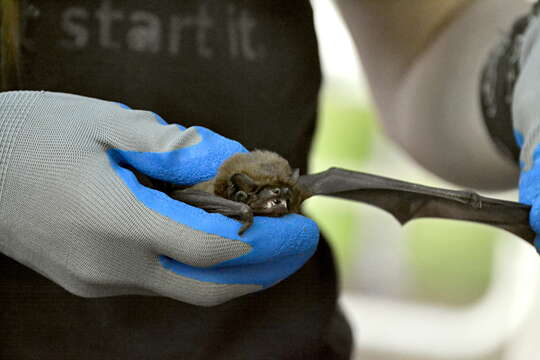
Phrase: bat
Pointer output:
(263, 183)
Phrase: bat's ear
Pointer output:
(295, 175)
(243, 182)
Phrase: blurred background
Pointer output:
(433, 289)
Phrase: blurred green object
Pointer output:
(344, 131)
(451, 260)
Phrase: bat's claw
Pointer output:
(246, 218)
(243, 228)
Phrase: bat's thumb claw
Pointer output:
(243, 229)
(246, 217)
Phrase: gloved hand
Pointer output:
(71, 211)
(526, 120)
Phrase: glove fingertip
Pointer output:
(122, 105)
(537, 243)
(520, 139)
(275, 238)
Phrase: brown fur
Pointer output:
(264, 167)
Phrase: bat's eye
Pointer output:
(275, 191)
(240, 196)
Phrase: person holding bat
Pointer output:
(97, 265)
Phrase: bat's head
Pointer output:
(264, 199)
(261, 179)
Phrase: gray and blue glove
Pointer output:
(71, 210)
(526, 120)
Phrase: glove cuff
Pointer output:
(499, 76)
(14, 109)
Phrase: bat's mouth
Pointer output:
(272, 207)
(270, 201)
(276, 203)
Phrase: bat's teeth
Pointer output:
(275, 203)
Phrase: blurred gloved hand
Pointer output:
(70, 210)
(526, 119)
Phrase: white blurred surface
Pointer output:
(437, 332)
(338, 56)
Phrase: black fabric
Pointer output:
(497, 87)
(296, 319)
(246, 69)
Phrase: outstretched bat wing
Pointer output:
(407, 201)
